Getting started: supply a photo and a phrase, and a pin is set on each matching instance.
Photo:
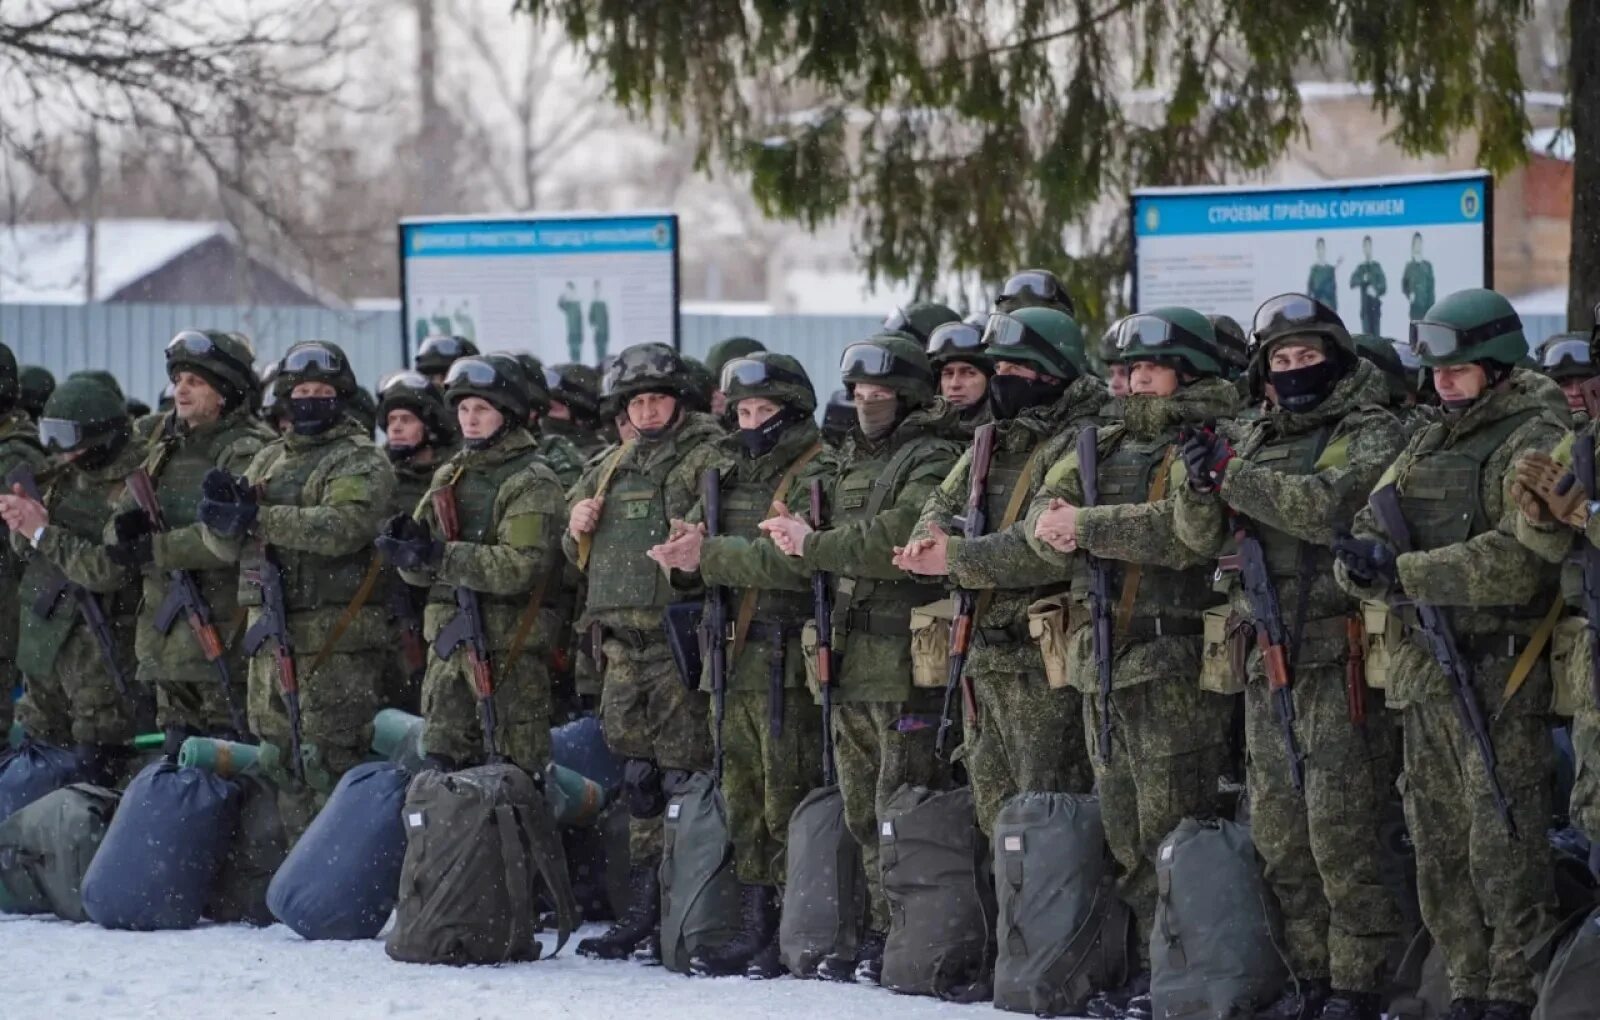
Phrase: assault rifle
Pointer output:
(714, 621)
(274, 625)
(1588, 559)
(466, 629)
(822, 615)
(1088, 450)
(974, 521)
(183, 596)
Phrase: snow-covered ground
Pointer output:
(52, 970)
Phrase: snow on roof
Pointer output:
(45, 263)
(1554, 142)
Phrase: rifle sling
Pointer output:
(1014, 505)
(747, 601)
(1523, 667)
(526, 621)
(845, 587)
(607, 472)
(346, 618)
(1304, 564)
(1135, 572)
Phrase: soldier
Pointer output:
(299, 523)
(35, 385)
(1565, 358)
(1167, 737)
(421, 435)
(1321, 283)
(771, 732)
(1368, 278)
(1027, 736)
(1381, 353)
(509, 508)
(19, 447)
(919, 320)
(1035, 287)
(363, 410)
(838, 419)
(559, 453)
(1484, 893)
(955, 349)
(274, 413)
(883, 728)
(436, 354)
(72, 695)
(1291, 478)
(1416, 282)
(619, 510)
(699, 388)
(574, 407)
(717, 358)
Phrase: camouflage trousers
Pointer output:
(337, 704)
(78, 703)
(1027, 738)
(1168, 748)
(1585, 806)
(452, 721)
(1322, 850)
(193, 701)
(1484, 895)
(649, 716)
(766, 776)
(878, 748)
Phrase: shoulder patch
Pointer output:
(525, 531)
(349, 489)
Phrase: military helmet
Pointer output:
(839, 417)
(34, 386)
(100, 376)
(959, 341)
(577, 386)
(496, 378)
(1232, 348)
(362, 407)
(82, 413)
(1043, 338)
(410, 390)
(724, 351)
(777, 377)
(1567, 356)
(533, 372)
(699, 384)
(644, 368)
(135, 407)
(1468, 327)
(436, 354)
(1172, 334)
(1381, 351)
(9, 390)
(919, 320)
(1032, 288)
(890, 359)
(1295, 315)
(221, 359)
(315, 361)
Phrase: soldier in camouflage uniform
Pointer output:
(955, 349)
(559, 453)
(838, 419)
(883, 728)
(1566, 359)
(421, 435)
(308, 500)
(35, 384)
(772, 732)
(1168, 738)
(574, 407)
(1027, 736)
(1034, 288)
(620, 510)
(1293, 477)
(70, 696)
(1484, 894)
(211, 425)
(436, 354)
(510, 510)
(717, 358)
(19, 447)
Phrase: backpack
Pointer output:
(941, 906)
(1567, 991)
(597, 860)
(478, 842)
(699, 891)
(31, 770)
(827, 892)
(1063, 931)
(1214, 946)
(46, 847)
(342, 878)
(258, 848)
(1420, 989)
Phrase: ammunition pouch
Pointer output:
(682, 623)
(1223, 656)
(1570, 666)
(930, 643)
(1385, 631)
(1049, 628)
(808, 649)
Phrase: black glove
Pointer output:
(130, 526)
(227, 504)
(1205, 454)
(220, 486)
(133, 545)
(405, 544)
(1367, 562)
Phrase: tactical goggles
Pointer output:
(472, 372)
(900, 322)
(1040, 285)
(1566, 354)
(446, 347)
(750, 372)
(1291, 313)
(553, 381)
(405, 379)
(312, 359)
(1437, 340)
(1150, 331)
(61, 434)
(955, 340)
(1007, 337)
(874, 362)
(196, 344)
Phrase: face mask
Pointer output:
(760, 440)
(400, 454)
(1304, 388)
(310, 416)
(1010, 395)
(877, 417)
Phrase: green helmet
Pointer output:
(315, 361)
(1043, 338)
(1180, 335)
(533, 371)
(1567, 356)
(577, 386)
(839, 417)
(136, 408)
(224, 360)
(1469, 327)
(34, 386)
(643, 368)
(409, 390)
(777, 377)
(362, 407)
(9, 390)
(1296, 315)
(102, 377)
(724, 351)
(1232, 349)
(1380, 350)
(698, 384)
(920, 320)
(1034, 288)
(890, 359)
(497, 378)
(959, 341)
(436, 354)
(83, 414)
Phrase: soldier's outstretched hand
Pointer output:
(929, 556)
(585, 516)
(787, 531)
(1058, 526)
(21, 514)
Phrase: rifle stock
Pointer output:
(974, 522)
(466, 629)
(274, 625)
(714, 621)
(822, 617)
(1088, 451)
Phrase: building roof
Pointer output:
(45, 263)
(1555, 142)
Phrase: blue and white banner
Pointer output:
(567, 288)
(1378, 252)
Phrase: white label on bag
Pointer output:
(1166, 852)
(888, 829)
(674, 810)
(1013, 844)
(414, 819)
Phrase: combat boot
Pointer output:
(1352, 1006)
(1113, 1003)
(1465, 1009)
(1499, 1009)
(636, 924)
(869, 959)
(768, 963)
(648, 952)
(1302, 1000)
(758, 923)
(843, 968)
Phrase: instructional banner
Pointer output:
(568, 289)
(1377, 252)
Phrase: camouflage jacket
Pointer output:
(19, 447)
(588, 442)
(561, 455)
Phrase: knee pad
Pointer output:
(642, 788)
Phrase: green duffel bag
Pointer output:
(699, 890)
(45, 849)
(1572, 980)
(826, 895)
(259, 846)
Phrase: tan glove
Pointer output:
(1549, 483)
(1531, 505)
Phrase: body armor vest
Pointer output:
(852, 496)
(745, 503)
(477, 491)
(634, 520)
